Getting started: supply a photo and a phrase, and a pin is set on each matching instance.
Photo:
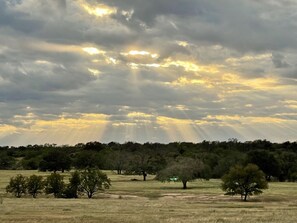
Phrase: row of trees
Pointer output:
(277, 161)
(245, 181)
(81, 182)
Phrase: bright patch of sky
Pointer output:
(157, 71)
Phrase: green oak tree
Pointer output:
(245, 181)
(93, 180)
(17, 185)
(183, 170)
(73, 187)
(54, 184)
(35, 185)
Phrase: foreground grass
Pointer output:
(152, 201)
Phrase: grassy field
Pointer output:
(151, 201)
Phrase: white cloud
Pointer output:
(159, 70)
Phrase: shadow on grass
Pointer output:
(153, 196)
(179, 187)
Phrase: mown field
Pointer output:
(151, 201)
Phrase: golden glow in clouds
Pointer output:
(92, 50)
(66, 129)
(140, 53)
(99, 10)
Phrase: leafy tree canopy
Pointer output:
(54, 184)
(246, 181)
(35, 185)
(184, 170)
(94, 180)
(17, 185)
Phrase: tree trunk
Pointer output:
(184, 184)
(245, 197)
(144, 175)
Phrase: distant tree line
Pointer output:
(278, 161)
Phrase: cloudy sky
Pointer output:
(137, 70)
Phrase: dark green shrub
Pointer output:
(54, 185)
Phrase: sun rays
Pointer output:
(85, 70)
(138, 126)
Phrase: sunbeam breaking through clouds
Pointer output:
(158, 71)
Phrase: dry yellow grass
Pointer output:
(152, 201)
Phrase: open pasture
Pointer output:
(151, 201)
